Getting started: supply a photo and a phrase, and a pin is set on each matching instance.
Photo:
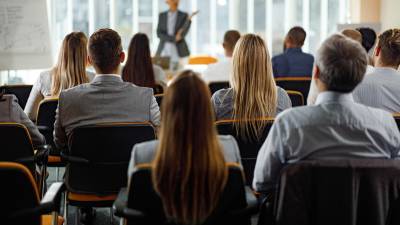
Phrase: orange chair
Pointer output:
(20, 199)
(202, 60)
(296, 97)
(300, 84)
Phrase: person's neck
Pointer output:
(173, 9)
(115, 72)
(379, 64)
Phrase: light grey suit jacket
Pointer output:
(10, 111)
(182, 22)
(146, 151)
(106, 99)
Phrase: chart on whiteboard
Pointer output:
(24, 34)
(19, 33)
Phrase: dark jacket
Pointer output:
(182, 22)
(293, 63)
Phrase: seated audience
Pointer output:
(10, 111)
(336, 127)
(253, 93)
(293, 62)
(189, 150)
(69, 71)
(139, 69)
(221, 70)
(380, 87)
(107, 98)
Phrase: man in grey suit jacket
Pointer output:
(107, 98)
(173, 25)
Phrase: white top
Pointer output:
(381, 89)
(219, 71)
(335, 128)
(170, 49)
(40, 90)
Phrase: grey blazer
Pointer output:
(146, 151)
(106, 99)
(182, 22)
(10, 111)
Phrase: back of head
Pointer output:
(255, 94)
(230, 39)
(104, 50)
(342, 63)
(296, 36)
(368, 37)
(139, 68)
(353, 34)
(389, 45)
(189, 168)
(70, 69)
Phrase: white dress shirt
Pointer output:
(219, 71)
(335, 128)
(170, 49)
(381, 89)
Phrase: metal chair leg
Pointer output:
(66, 208)
(57, 173)
(111, 217)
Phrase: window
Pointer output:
(271, 19)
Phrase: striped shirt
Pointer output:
(380, 89)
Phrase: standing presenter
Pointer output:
(173, 25)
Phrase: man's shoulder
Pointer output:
(278, 58)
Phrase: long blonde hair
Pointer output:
(70, 69)
(189, 168)
(254, 88)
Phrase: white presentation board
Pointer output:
(24, 35)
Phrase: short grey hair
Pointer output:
(342, 63)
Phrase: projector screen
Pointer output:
(24, 35)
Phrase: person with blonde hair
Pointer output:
(69, 71)
(189, 159)
(253, 93)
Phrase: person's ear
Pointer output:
(377, 51)
(89, 61)
(224, 45)
(122, 57)
(316, 72)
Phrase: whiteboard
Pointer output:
(24, 35)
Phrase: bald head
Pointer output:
(353, 34)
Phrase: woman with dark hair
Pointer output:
(189, 170)
(139, 69)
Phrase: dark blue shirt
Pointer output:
(293, 63)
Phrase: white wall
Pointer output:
(390, 16)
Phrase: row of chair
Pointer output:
(294, 85)
(326, 192)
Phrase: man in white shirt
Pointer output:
(221, 70)
(381, 86)
(336, 127)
